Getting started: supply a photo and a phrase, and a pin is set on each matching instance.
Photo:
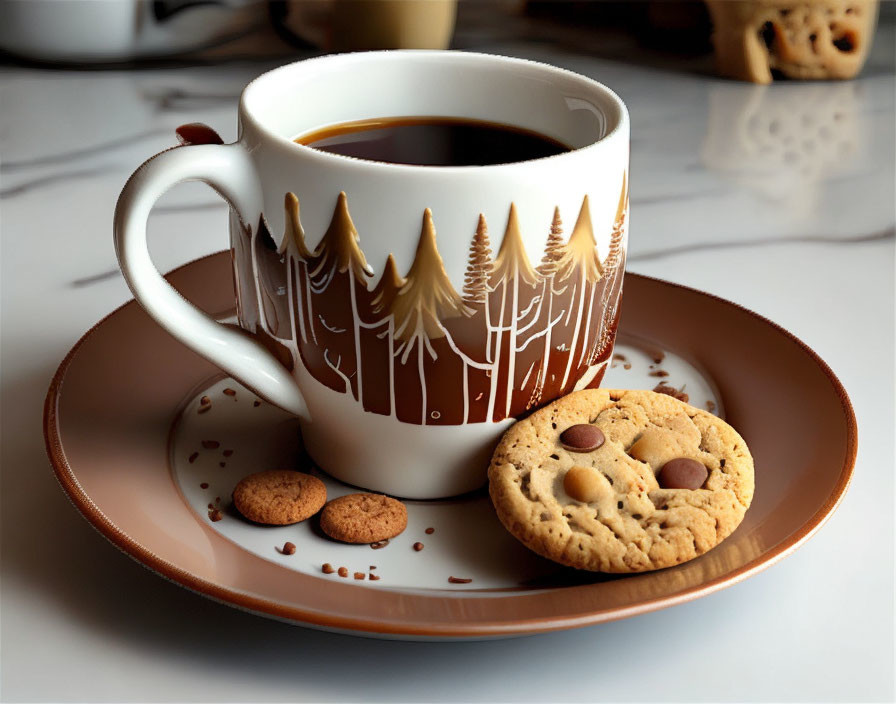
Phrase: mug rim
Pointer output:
(619, 120)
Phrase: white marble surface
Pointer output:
(728, 196)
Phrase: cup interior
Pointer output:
(309, 95)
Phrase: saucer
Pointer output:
(150, 472)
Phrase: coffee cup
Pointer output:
(406, 314)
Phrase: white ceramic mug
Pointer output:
(470, 295)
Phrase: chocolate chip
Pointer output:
(430, 531)
(682, 473)
(582, 438)
(288, 548)
(418, 547)
(327, 568)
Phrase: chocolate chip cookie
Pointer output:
(621, 481)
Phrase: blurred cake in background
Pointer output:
(758, 40)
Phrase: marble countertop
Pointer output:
(780, 198)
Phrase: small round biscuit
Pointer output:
(613, 508)
(363, 518)
(279, 497)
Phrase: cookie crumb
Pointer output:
(710, 406)
(418, 547)
(288, 548)
(372, 567)
(215, 515)
(359, 575)
(459, 580)
(659, 373)
(342, 572)
(204, 485)
(327, 568)
(205, 401)
(211, 444)
(193, 457)
(373, 577)
(379, 544)
(627, 365)
(229, 392)
(664, 388)
(430, 531)
(257, 404)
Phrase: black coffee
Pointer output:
(433, 141)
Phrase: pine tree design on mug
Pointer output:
(433, 355)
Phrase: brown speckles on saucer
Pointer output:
(418, 547)
(711, 406)
(193, 457)
(459, 580)
(658, 372)
(256, 404)
(204, 485)
(430, 530)
(664, 388)
(229, 392)
(227, 453)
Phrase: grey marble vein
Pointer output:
(179, 99)
(95, 279)
(21, 188)
(60, 158)
(886, 234)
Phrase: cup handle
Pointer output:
(229, 170)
